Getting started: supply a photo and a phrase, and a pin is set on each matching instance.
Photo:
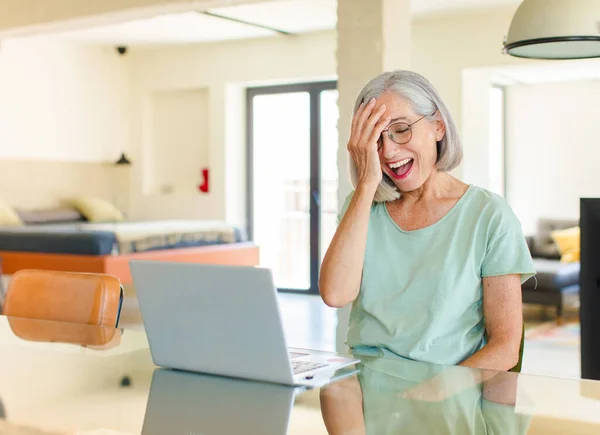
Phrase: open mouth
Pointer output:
(402, 168)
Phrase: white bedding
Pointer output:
(148, 234)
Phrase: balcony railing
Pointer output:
(287, 251)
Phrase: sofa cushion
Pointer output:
(543, 244)
(97, 209)
(568, 245)
(552, 275)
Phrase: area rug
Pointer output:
(567, 335)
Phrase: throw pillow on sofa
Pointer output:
(568, 243)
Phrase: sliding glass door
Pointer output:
(292, 179)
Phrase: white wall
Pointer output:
(180, 121)
(446, 45)
(449, 50)
(62, 79)
(553, 149)
(470, 40)
(62, 101)
(225, 69)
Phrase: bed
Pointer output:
(107, 247)
(63, 215)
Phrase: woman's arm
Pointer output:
(341, 271)
(503, 314)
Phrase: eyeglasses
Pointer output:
(400, 132)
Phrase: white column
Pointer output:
(373, 36)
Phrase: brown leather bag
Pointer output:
(73, 297)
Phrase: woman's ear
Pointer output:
(440, 129)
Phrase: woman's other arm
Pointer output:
(503, 314)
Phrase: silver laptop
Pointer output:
(223, 320)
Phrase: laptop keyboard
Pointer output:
(304, 366)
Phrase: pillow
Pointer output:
(97, 209)
(8, 216)
(567, 241)
(544, 245)
(50, 216)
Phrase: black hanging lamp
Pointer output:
(123, 160)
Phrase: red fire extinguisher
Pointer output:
(204, 186)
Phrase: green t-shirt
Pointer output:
(421, 294)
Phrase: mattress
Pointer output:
(83, 238)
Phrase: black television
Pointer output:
(589, 287)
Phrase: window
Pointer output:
(292, 179)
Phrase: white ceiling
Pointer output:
(428, 7)
(293, 16)
(188, 27)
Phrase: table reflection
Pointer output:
(191, 403)
(90, 336)
(403, 396)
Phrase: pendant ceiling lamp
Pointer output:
(555, 29)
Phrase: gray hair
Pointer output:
(425, 101)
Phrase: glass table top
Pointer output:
(58, 378)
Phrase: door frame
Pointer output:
(314, 90)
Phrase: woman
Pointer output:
(433, 267)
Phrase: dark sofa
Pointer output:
(555, 281)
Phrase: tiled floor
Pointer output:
(308, 322)
(547, 359)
